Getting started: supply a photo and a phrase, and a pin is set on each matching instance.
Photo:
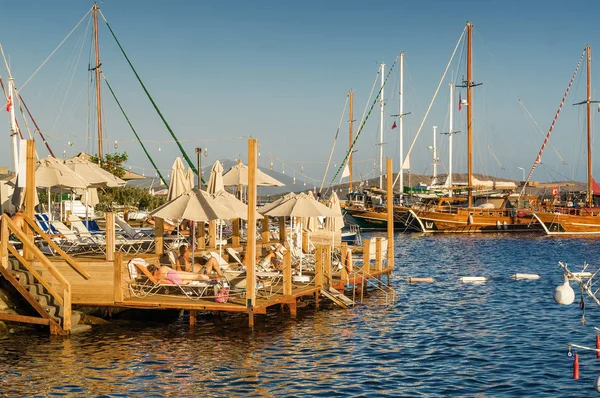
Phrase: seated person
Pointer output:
(184, 263)
(177, 277)
(167, 227)
(273, 259)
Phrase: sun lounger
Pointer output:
(142, 283)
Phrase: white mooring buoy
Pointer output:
(564, 294)
(472, 279)
(525, 276)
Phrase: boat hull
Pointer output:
(477, 221)
(577, 222)
(369, 219)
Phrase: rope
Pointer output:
(539, 156)
(56, 49)
(132, 129)
(190, 164)
(430, 105)
(364, 122)
(334, 141)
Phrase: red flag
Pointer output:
(394, 125)
(9, 104)
(459, 102)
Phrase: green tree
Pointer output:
(113, 163)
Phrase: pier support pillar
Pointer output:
(251, 319)
(293, 309)
(317, 296)
(390, 214)
(192, 318)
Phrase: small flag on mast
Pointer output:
(459, 102)
(9, 104)
(394, 125)
(346, 172)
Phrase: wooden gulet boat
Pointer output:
(503, 214)
(577, 220)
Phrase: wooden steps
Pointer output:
(337, 297)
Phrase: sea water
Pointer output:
(503, 337)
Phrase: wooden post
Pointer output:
(118, 278)
(110, 235)
(390, 214)
(344, 250)
(367, 257)
(293, 309)
(192, 318)
(235, 240)
(319, 265)
(201, 237)
(282, 235)
(304, 241)
(378, 259)
(29, 195)
(4, 244)
(265, 229)
(159, 235)
(67, 309)
(251, 318)
(287, 273)
(212, 234)
(251, 247)
(327, 264)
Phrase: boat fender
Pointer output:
(473, 279)
(420, 280)
(525, 276)
(564, 294)
(520, 213)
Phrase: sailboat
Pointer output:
(497, 213)
(577, 220)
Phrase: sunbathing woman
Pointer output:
(184, 262)
(178, 277)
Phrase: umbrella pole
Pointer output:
(220, 241)
(87, 198)
(301, 252)
(49, 208)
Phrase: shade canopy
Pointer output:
(300, 206)
(96, 176)
(52, 172)
(215, 181)
(178, 183)
(334, 223)
(238, 175)
(234, 204)
(194, 205)
(274, 204)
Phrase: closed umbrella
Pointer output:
(177, 183)
(334, 223)
(215, 181)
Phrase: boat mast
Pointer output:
(351, 119)
(590, 193)
(469, 83)
(382, 102)
(401, 122)
(13, 123)
(97, 70)
(450, 133)
(434, 150)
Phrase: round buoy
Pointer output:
(564, 294)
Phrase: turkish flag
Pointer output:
(394, 125)
(9, 104)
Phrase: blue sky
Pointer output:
(281, 71)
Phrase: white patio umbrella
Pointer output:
(334, 224)
(215, 185)
(301, 206)
(310, 223)
(96, 176)
(178, 184)
(238, 175)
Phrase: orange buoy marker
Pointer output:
(413, 279)
(576, 367)
(597, 346)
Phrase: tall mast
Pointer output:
(434, 150)
(382, 102)
(401, 122)
(469, 113)
(450, 133)
(590, 192)
(97, 69)
(351, 116)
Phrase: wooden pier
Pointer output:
(53, 285)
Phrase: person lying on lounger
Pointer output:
(273, 259)
(166, 273)
(207, 264)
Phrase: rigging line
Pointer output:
(132, 129)
(539, 156)
(431, 103)
(540, 129)
(334, 141)
(56, 49)
(190, 163)
(364, 121)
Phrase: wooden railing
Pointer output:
(32, 251)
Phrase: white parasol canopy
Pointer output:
(194, 205)
(300, 205)
(215, 181)
(96, 176)
(334, 223)
(178, 183)
(238, 175)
